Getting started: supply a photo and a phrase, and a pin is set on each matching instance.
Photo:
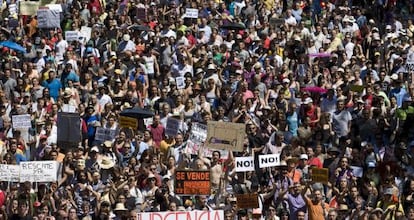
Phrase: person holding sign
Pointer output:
(316, 205)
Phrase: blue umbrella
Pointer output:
(13, 46)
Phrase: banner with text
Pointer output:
(269, 160)
(225, 135)
(39, 171)
(192, 182)
(128, 122)
(172, 127)
(320, 175)
(28, 8)
(188, 215)
(191, 13)
(47, 18)
(105, 134)
(21, 121)
(9, 172)
(244, 164)
(247, 201)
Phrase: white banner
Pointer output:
(190, 215)
(9, 172)
(21, 121)
(191, 13)
(269, 160)
(39, 171)
(244, 164)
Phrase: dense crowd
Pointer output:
(325, 84)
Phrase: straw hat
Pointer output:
(106, 163)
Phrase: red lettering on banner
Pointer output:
(217, 216)
(153, 215)
(203, 213)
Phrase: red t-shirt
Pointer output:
(157, 134)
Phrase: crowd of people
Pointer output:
(324, 83)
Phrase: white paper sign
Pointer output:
(357, 171)
(9, 173)
(172, 127)
(105, 134)
(191, 13)
(86, 32)
(269, 160)
(244, 164)
(71, 35)
(180, 82)
(21, 121)
(39, 171)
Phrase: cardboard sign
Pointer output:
(188, 215)
(247, 201)
(192, 182)
(39, 171)
(71, 35)
(356, 88)
(28, 8)
(244, 164)
(127, 122)
(269, 160)
(9, 173)
(47, 18)
(180, 81)
(105, 134)
(320, 175)
(68, 127)
(225, 135)
(21, 121)
(191, 13)
(172, 127)
(46, 2)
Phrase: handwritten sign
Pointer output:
(189, 215)
(172, 127)
(247, 201)
(320, 175)
(21, 121)
(47, 18)
(39, 171)
(86, 32)
(191, 13)
(244, 164)
(192, 182)
(10, 173)
(127, 122)
(71, 35)
(269, 160)
(28, 8)
(105, 134)
(225, 135)
(357, 171)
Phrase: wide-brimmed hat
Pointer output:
(120, 207)
(106, 163)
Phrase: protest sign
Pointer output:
(21, 121)
(28, 8)
(180, 81)
(105, 134)
(86, 33)
(71, 35)
(46, 2)
(192, 182)
(357, 171)
(47, 18)
(320, 175)
(141, 13)
(10, 173)
(55, 7)
(172, 127)
(179, 215)
(225, 135)
(127, 122)
(356, 88)
(191, 13)
(39, 171)
(244, 164)
(68, 127)
(269, 160)
(197, 137)
(247, 201)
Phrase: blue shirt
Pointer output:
(399, 94)
(54, 87)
